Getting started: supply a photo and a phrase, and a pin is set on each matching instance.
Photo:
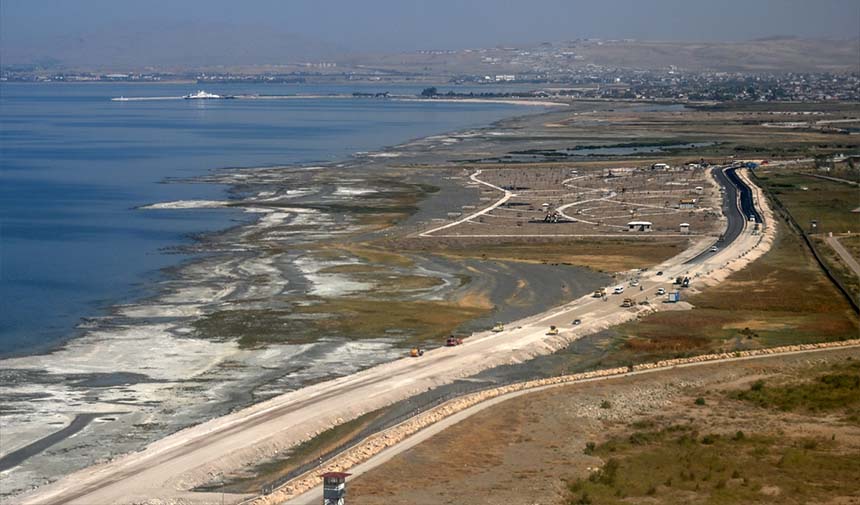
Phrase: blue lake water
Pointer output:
(74, 165)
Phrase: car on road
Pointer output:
(660, 272)
(634, 283)
(618, 290)
(661, 291)
(714, 249)
(577, 322)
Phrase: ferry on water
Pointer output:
(202, 95)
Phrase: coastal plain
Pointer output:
(349, 265)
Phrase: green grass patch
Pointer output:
(807, 198)
(782, 298)
(835, 390)
(678, 464)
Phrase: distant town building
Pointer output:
(685, 228)
(687, 203)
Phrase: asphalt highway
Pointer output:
(735, 209)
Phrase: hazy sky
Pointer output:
(393, 25)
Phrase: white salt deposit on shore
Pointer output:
(348, 191)
(187, 204)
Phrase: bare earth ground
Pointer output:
(532, 449)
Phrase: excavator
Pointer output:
(552, 330)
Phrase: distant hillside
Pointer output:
(776, 54)
(195, 45)
(772, 54)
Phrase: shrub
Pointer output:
(589, 447)
(605, 404)
(700, 401)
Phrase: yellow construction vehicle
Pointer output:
(628, 302)
(498, 327)
(599, 293)
(552, 330)
(416, 352)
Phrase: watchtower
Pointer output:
(334, 488)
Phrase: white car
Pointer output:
(634, 283)
(661, 291)
(714, 249)
(618, 290)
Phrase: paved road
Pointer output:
(738, 205)
(162, 470)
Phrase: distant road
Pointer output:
(844, 254)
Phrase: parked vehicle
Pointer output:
(552, 331)
(577, 322)
(661, 291)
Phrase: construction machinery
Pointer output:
(627, 303)
(498, 327)
(453, 341)
(552, 330)
(599, 293)
(416, 352)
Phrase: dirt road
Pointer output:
(844, 254)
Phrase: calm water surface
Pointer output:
(74, 165)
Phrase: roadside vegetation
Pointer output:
(837, 391)
(782, 298)
(828, 204)
(680, 464)
(708, 460)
